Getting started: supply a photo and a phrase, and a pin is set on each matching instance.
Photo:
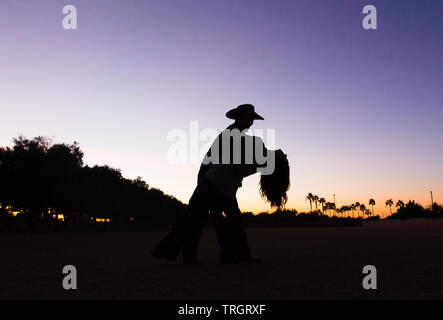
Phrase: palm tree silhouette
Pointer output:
(331, 206)
(367, 212)
(353, 207)
(400, 204)
(310, 198)
(357, 207)
(389, 204)
(343, 209)
(362, 209)
(328, 207)
(322, 201)
(348, 208)
(315, 198)
(372, 203)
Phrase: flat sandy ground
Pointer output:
(300, 263)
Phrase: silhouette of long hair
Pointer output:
(274, 187)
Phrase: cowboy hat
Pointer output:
(243, 110)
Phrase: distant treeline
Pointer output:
(43, 181)
(358, 210)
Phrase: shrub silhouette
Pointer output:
(410, 210)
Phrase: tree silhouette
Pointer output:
(368, 212)
(347, 209)
(42, 179)
(363, 210)
(372, 203)
(322, 201)
(310, 198)
(410, 210)
(342, 210)
(357, 207)
(327, 207)
(389, 204)
(330, 206)
(315, 199)
(353, 207)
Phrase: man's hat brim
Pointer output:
(239, 113)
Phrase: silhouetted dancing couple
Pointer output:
(232, 156)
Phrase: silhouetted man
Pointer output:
(232, 156)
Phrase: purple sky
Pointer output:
(358, 112)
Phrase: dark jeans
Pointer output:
(186, 234)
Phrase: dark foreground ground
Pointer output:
(300, 263)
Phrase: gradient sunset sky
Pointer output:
(358, 112)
